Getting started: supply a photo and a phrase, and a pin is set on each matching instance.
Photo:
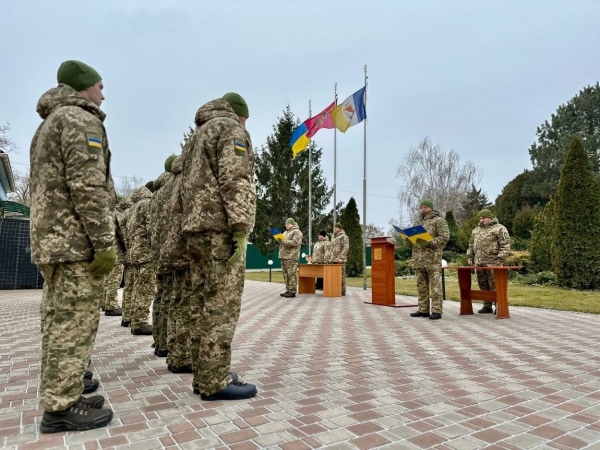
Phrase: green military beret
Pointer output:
(237, 102)
(427, 202)
(485, 213)
(77, 75)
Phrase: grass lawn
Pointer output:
(518, 295)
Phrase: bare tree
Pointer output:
(6, 144)
(22, 193)
(372, 231)
(430, 172)
(128, 185)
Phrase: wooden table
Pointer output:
(331, 274)
(499, 296)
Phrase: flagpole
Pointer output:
(309, 188)
(335, 162)
(365, 193)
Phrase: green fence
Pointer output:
(256, 260)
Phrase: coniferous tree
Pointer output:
(474, 202)
(350, 221)
(282, 185)
(453, 244)
(541, 238)
(576, 231)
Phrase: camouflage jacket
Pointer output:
(339, 246)
(322, 252)
(489, 243)
(122, 214)
(289, 246)
(431, 255)
(217, 188)
(160, 217)
(138, 227)
(174, 252)
(72, 191)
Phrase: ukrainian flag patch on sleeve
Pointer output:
(94, 141)
(240, 147)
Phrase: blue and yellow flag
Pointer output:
(277, 234)
(299, 140)
(414, 233)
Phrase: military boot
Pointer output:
(289, 294)
(88, 375)
(435, 316)
(144, 330)
(80, 416)
(162, 353)
(284, 294)
(486, 310)
(236, 390)
(125, 323)
(89, 385)
(182, 369)
(233, 375)
(113, 312)
(419, 314)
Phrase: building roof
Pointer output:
(6, 174)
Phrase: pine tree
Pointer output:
(541, 238)
(474, 202)
(453, 244)
(576, 231)
(465, 230)
(350, 221)
(282, 185)
(186, 135)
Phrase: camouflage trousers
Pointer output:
(215, 302)
(485, 280)
(70, 320)
(343, 278)
(144, 289)
(429, 280)
(160, 309)
(179, 327)
(289, 267)
(126, 304)
(111, 286)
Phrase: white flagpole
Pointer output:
(365, 193)
(335, 162)
(309, 188)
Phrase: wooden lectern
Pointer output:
(383, 273)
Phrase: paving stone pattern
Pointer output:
(331, 373)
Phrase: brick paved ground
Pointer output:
(332, 373)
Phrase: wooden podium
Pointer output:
(383, 273)
(331, 274)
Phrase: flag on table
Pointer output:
(276, 233)
(300, 139)
(350, 112)
(321, 120)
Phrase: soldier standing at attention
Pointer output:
(122, 213)
(218, 194)
(289, 252)
(321, 254)
(72, 241)
(340, 244)
(489, 246)
(427, 258)
(110, 303)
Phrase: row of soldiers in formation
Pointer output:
(489, 245)
(182, 238)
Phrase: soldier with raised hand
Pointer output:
(427, 259)
(140, 260)
(340, 244)
(321, 254)
(489, 246)
(289, 252)
(72, 241)
(219, 205)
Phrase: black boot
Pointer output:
(95, 401)
(80, 416)
(419, 314)
(125, 323)
(183, 369)
(88, 375)
(162, 353)
(233, 375)
(284, 294)
(144, 330)
(289, 294)
(113, 312)
(89, 386)
(236, 390)
(435, 316)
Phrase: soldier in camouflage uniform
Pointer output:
(160, 221)
(72, 241)
(173, 255)
(321, 254)
(122, 214)
(140, 258)
(489, 246)
(110, 305)
(427, 260)
(289, 252)
(340, 245)
(218, 195)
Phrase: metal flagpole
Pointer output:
(309, 188)
(365, 194)
(334, 163)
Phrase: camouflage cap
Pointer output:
(77, 75)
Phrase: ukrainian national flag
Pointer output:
(414, 233)
(351, 111)
(299, 140)
(277, 234)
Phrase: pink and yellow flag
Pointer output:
(321, 120)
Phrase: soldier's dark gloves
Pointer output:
(103, 262)
(239, 242)
(422, 243)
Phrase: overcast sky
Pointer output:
(477, 77)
